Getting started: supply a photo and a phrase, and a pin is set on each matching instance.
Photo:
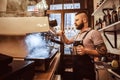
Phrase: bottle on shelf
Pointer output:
(98, 24)
(97, 5)
(114, 17)
(114, 14)
(101, 1)
(104, 22)
(119, 13)
(108, 17)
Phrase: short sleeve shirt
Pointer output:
(93, 38)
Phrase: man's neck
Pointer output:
(84, 29)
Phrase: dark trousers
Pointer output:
(83, 68)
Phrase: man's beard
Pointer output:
(80, 26)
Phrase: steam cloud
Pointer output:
(37, 46)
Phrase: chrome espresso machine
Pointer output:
(42, 47)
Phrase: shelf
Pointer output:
(115, 51)
(113, 27)
(105, 4)
(114, 73)
(99, 8)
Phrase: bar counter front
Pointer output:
(18, 70)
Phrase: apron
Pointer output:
(83, 66)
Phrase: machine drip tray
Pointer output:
(43, 64)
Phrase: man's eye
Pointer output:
(76, 20)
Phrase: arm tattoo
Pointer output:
(101, 49)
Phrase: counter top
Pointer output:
(103, 65)
(48, 75)
(18, 69)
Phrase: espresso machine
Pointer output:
(42, 47)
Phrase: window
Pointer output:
(72, 6)
(65, 6)
(69, 29)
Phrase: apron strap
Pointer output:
(86, 34)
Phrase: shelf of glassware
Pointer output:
(113, 27)
(105, 4)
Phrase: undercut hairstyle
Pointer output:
(86, 13)
(82, 12)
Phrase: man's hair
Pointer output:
(79, 12)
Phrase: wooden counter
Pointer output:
(48, 75)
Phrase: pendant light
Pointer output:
(42, 5)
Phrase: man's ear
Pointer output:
(84, 20)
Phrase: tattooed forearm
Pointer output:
(101, 49)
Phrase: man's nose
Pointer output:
(74, 23)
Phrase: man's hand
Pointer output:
(60, 33)
(80, 50)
